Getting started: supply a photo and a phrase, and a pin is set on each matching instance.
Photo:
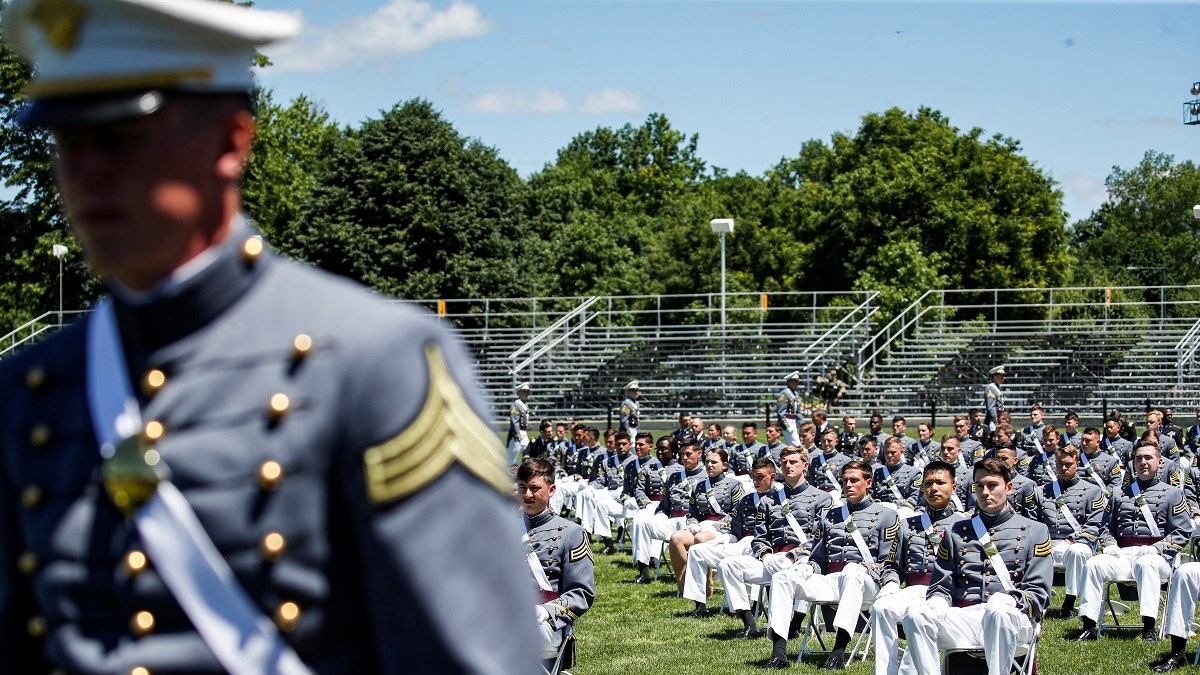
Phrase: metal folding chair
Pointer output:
(1024, 661)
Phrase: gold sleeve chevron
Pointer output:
(943, 551)
(1043, 549)
(580, 552)
(1180, 508)
(1099, 503)
(891, 533)
(445, 431)
(738, 493)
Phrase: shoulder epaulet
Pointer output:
(583, 550)
(1043, 549)
(892, 532)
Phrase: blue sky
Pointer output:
(1082, 86)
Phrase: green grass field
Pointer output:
(635, 630)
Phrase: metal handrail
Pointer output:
(34, 327)
(551, 345)
(864, 305)
(555, 326)
(1186, 349)
(865, 320)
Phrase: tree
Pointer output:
(409, 206)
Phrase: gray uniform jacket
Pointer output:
(993, 403)
(906, 478)
(822, 467)
(1086, 503)
(918, 548)
(835, 546)
(1041, 467)
(742, 456)
(677, 491)
(726, 490)
(518, 420)
(1127, 526)
(922, 453)
(606, 470)
(1104, 465)
(388, 491)
(1118, 447)
(805, 502)
(963, 575)
(562, 548)
(787, 408)
(1023, 497)
(643, 481)
(746, 516)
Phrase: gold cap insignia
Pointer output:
(61, 20)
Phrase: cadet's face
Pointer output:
(623, 446)
(991, 492)
(749, 435)
(762, 480)
(898, 427)
(1152, 422)
(855, 485)
(869, 452)
(1036, 416)
(977, 417)
(1072, 424)
(1111, 428)
(1146, 461)
(561, 433)
(1009, 457)
(806, 438)
(828, 443)
(534, 495)
(714, 465)
(643, 447)
(547, 433)
(663, 452)
(690, 457)
(143, 195)
(937, 487)
(924, 432)
(730, 435)
(961, 427)
(793, 468)
(1090, 443)
(876, 425)
(950, 450)
(579, 437)
(893, 454)
(849, 424)
(714, 431)
(772, 435)
(1051, 441)
(610, 443)
(1066, 466)
(1003, 437)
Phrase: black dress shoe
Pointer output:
(1173, 661)
(699, 613)
(609, 550)
(836, 660)
(777, 663)
(1150, 635)
(752, 633)
(642, 580)
(1088, 635)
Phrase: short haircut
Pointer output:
(547, 423)
(773, 426)
(689, 444)
(749, 425)
(899, 418)
(946, 437)
(876, 416)
(561, 425)
(578, 427)
(993, 466)
(893, 440)
(794, 450)
(859, 465)
(646, 435)
(1071, 416)
(594, 433)
(867, 440)
(819, 412)
(830, 430)
(1006, 428)
(1050, 429)
(764, 463)
(974, 411)
(1092, 430)
(1067, 450)
(961, 418)
(1036, 406)
(620, 435)
(536, 467)
(938, 465)
(808, 428)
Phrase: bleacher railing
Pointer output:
(35, 329)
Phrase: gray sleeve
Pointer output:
(1039, 573)
(577, 588)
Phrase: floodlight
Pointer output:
(720, 225)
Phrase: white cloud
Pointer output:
(551, 102)
(399, 27)
(1082, 194)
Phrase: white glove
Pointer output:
(1146, 550)
(888, 589)
(776, 562)
(542, 615)
(693, 528)
(1112, 549)
(937, 604)
(1002, 599)
(631, 504)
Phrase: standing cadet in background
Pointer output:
(518, 424)
(559, 557)
(631, 411)
(993, 398)
(266, 468)
(684, 429)
(787, 409)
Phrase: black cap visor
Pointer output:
(74, 111)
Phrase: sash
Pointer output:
(243, 640)
(712, 499)
(535, 565)
(786, 509)
(891, 483)
(927, 528)
(1061, 503)
(1140, 501)
(1091, 471)
(852, 529)
(958, 505)
(992, 554)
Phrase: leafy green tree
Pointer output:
(409, 206)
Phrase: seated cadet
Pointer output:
(971, 448)
(568, 482)
(729, 440)
(709, 511)
(808, 440)
(1073, 510)
(1021, 493)
(899, 426)
(1113, 443)
(713, 440)
(1166, 444)
(782, 538)
(977, 428)
(1180, 611)
(584, 440)
(868, 451)
(643, 481)
(741, 457)
(774, 444)
(852, 557)
(707, 555)
(1041, 456)
(541, 446)
(559, 556)
(848, 439)
(825, 466)
(1004, 439)
(876, 429)
(671, 514)
(601, 499)
(1071, 434)
(1100, 467)
(960, 499)
(991, 582)
(1032, 435)
(925, 449)
(895, 482)
(920, 537)
(1148, 524)
(1168, 471)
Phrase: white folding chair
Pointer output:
(860, 646)
(1024, 661)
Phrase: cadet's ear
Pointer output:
(236, 134)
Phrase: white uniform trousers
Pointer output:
(516, 447)
(599, 508)
(737, 571)
(1149, 571)
(566, 492)
(997, 627)
(706, 556)
(852, 589)
(790, 435)
(551, 639)
(649, 528)
(1072, 557)
(886, 614)
(1181, 600)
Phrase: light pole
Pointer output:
(1162, 292)
(722, 226)
(59, 251)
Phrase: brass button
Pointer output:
(301, 346)
(287, 615)
(36, 378)
(272, 546)
(142, 623)
(40, 435)
(31, 496)
(278, 406)
(135, 562)
(154, 430)
(153, 381)
(252, 248)
(28, 562)
(269, 475)
(36, 626)
(140, 670)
